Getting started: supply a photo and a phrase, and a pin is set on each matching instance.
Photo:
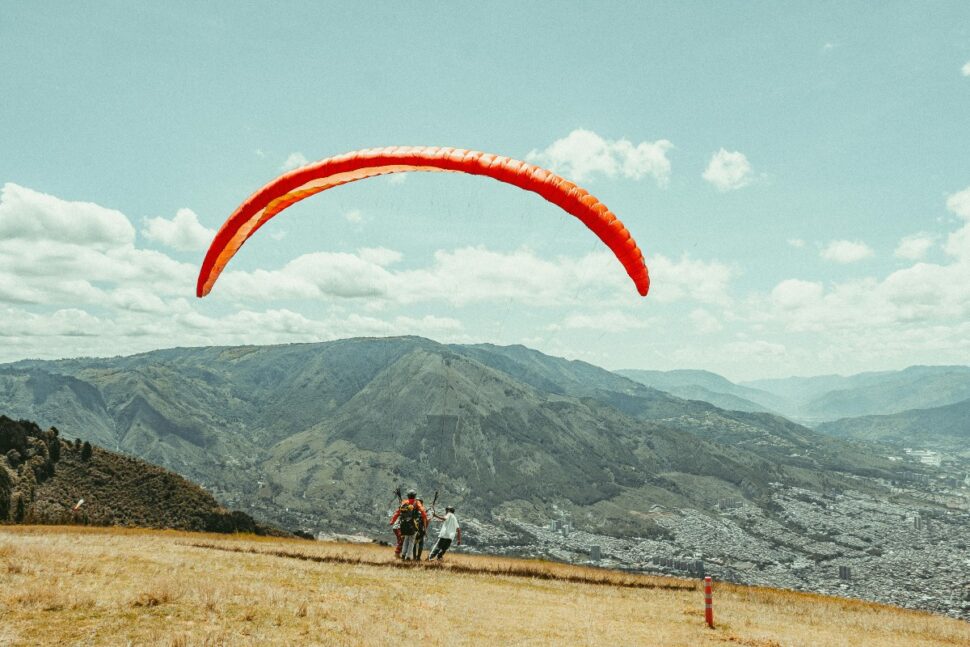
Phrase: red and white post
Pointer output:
(708, 602)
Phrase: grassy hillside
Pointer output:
(117, 587)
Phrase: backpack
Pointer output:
(409, 517)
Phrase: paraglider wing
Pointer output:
(304, 182)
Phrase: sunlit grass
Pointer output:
(120, 586)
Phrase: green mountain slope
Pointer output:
(319, 434)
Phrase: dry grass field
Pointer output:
(96, 586)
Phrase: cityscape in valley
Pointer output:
(552, 458)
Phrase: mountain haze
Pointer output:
(708, 387)
(825, 398)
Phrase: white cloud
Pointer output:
(704, 321)
(354, 216)
(583, 154)
(689, 279)
(914, 247)
(917, 314)
(294, 161)
(184, 232)
(793, 293)
(966, 69)
(958, 243)
(797, 243)
(311, 276)
(609, 321)
(397, 178)
(138, 300)
(474, 275)
(758, 350)
(728, 170)
(33, 216)
(959, 203)
(379, 255)
(54, 251)
(66, 322)
(846, 251)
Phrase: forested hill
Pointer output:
(43, 477)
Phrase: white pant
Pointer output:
(407, 547)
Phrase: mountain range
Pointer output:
(821, 399)
(319, 435)
(709, 387)
(944, 428)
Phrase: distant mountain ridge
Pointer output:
(320, 434)
(708, 387)
(946, 427)
(819, 399)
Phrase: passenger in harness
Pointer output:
(413, 518)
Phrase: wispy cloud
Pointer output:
(846, 251)
(704, 321)
(728, 171)
(959, 203)
(295, 160)
(32, 216)
(583, 154)
(914, 247)
(608, 321)
(183, 232)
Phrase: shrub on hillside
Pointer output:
(19, 508)
(13, 434)
(6, 488)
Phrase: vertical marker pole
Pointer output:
(708, 602)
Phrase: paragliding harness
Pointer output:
(410, 517)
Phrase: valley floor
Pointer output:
(89, 586)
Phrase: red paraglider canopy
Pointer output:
(301, 183)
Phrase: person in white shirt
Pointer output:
(449, 531)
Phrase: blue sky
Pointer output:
(804, 207)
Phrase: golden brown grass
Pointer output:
(116, 587)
